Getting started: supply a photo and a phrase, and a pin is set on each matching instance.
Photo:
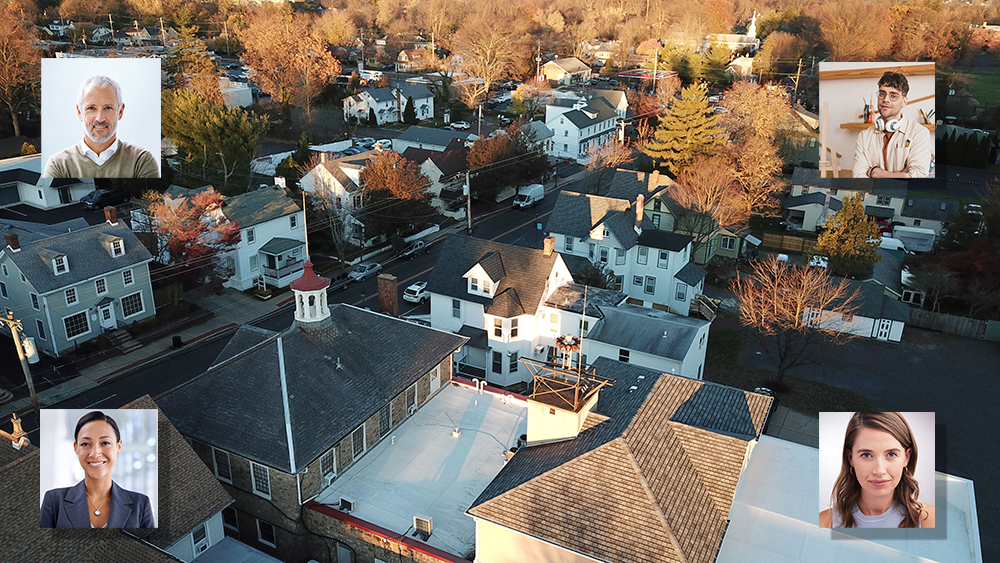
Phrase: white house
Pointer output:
(652, 266)
(879, 315)
(77, 285)
(335, 183)
(578, 125)
(389, 103)
(21, 182)
(569, 70)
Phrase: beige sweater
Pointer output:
(911, 146)
(130, 161)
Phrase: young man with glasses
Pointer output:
(894, 147)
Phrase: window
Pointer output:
(513, 363)
(34, 302)
(251, 236)
(199, 534)
(497, 362)
(222, 468)
(619, 256)
(486, 285)
(76, 325)
(328, 463)
(636, 280)
(60, 265)
(456, 308)
(586, 327)
(681, 294)
(127, 277)
(383, 421)
(656, 220)
(513, 328)
(358, 441)
(229, 519)
(591, 248)
(71, 296)
(882, 200)
(650, 285)
(833, 191)
(41, 328)
(3, 289)
(569, 244)
(805, 189)
(606, 232)
(265, 533)
(663, 259)
(619, 280)
(253, 263)
(643, 256)
(24, 279)
(261, 480)
(604, 255)
(623, 355)
(497, 327)
(847, 317)
(916, 222)
(291, 221)
(117, 248)
(132, 304)
(101, 285)
(701, 342)
(5, 269)
(473, 284)
(728, 243)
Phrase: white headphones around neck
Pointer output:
(889, 127)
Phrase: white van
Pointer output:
(529, 195)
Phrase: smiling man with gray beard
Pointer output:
(100, 154)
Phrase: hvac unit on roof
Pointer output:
(539, 350)
(412, 409)
(346, 504)
(328, 479)
(423, 526)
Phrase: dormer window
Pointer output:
(60, 265)
(473, 284)
(117, 248)
(486, 286)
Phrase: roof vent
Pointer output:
(632, 388)
(943, 206)
(424, 525)
(457, 432)
(341, 366)
(346, 504)
(664, 334)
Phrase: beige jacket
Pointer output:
(911, 146)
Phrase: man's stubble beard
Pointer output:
(87, 130)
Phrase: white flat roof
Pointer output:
(233, 551)
(426, 471)
(774, 518)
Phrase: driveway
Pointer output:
(955, 377)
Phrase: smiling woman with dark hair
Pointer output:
(97, 501)
(876, 487)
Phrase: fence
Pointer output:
(791, 243)
(951, 324)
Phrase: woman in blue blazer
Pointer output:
(96, 502)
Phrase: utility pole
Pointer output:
(468, 202)
(538, 60)
(480, 133)
(112, 25)
(797, 72)
(163, 36)
(15, 328)
(225, 27)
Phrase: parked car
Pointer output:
(503, 121)
(365, 270)
(366, 142)
(462, 125)
(350, 151)
(416, 293)
(529, 195)
(386, 144)
(415, 249)
(103, 198)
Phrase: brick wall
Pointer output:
(446, 369)
(371, 431)
(423, 388)
(366, 545)
(398, 409)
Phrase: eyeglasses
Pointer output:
(893, 96)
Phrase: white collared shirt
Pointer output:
(99, 159)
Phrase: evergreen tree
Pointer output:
(688, 130)
(372, 120)
(410, 112)
(851, 240)
(302, 155)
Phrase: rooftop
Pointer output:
(572, 296)
(424, 470)
(774, 515)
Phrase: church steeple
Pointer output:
(752, 30)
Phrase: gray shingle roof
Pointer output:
(506, 304)
(492, 263)
(577, 214)
(628, 184)
(647, 330)
(613, 97)
(537, 131)
(277, 245)
(571, 64)
(417, 92)
(691, 274)
(659, 488)
(664, 240)
(881, 186)
(889, 271)
(237, 405)
(873, 303)
(926, 208)
(85, 252)
(571, 297)
(526, 271)
(879, 211)
(380, 94)
(817, 198)
(598, 106)
(429, 136)
(259, 206)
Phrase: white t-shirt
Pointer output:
(888, 519)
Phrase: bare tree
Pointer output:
(790, 309)
(982, 296)
(19, 68)
(531, 97)
(710, 197)
(604, 159)
(936, 283)
(491, 49)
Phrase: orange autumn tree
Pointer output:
(395, 195)
(192, 232)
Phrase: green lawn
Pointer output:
(984, 84)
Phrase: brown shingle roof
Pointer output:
(189, 492)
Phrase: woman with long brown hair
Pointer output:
(876, 487)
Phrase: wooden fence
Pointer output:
(951, 324)
(790, 243)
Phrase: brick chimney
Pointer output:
(111, 214)
(549, 245)
(12, 242)
(388, 294)
(640, 200)
(654, 178)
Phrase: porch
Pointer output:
(281, 260)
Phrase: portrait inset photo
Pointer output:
(99, 468)
(876, 120)
(100, 118)
(876, 470)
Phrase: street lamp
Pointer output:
(15, 329)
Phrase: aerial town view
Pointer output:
(456, 281)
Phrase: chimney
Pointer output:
(640, 200)
(12, 242)
(111, 214)
(654, 178)
(549, 246)
(388, 294)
